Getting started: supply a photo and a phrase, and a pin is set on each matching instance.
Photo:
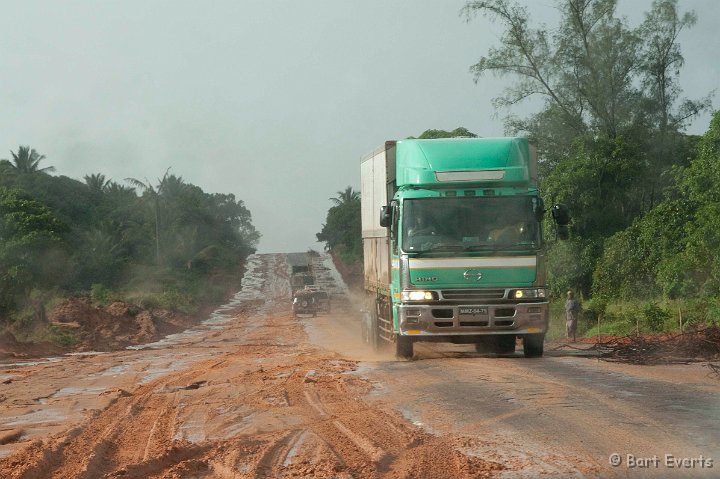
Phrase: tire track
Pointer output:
(273, 406)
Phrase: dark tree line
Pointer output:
(131, 237)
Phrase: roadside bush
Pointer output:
(100, 294)
(702, 310)
(654, 317)
(62, 336)
(594, 309)
(713, 311)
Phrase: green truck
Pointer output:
(453, 244)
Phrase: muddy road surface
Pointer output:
(253, 393)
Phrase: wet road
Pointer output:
(254, 393)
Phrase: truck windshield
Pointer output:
(469, 224)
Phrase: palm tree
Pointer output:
(27, 160)
(114, 188)
(97, 182)
(154, 194)
(347, 196)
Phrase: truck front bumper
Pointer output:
(473, 319)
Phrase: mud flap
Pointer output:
(368, 325)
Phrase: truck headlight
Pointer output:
(535, 293)
(418, 295)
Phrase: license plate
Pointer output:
(473, 311)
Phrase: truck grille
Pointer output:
(472, 294)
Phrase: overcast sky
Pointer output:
(275, 102)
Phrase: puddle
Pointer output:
(42, 416)
(293, 450)
(37, 362)
(76, 391)
(415, 420)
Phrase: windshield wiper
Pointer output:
(500, 247)
(478, 247)
(519, 246)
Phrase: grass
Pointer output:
(622, 318)
(62, 336)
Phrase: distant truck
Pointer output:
(301, 273)
(453, 244)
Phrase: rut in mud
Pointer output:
(271, 405)
(254, 393)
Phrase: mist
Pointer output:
(273, 102)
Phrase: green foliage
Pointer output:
(673, 249)
(62, 336)
(594, 309)
(174, 230)
(655, 317)
(570, 265)
(456, 133)
(341, 231)
(27, 161)
(100, 294)
(29, 233)
(602, 181)
(610, 143)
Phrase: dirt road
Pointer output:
(253, 392)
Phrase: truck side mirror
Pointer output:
(561, 216)
(385, 216)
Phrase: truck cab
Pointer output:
(462, 241)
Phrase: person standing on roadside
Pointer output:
(572, 311)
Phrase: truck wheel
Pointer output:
(533, 345)
(403, 347)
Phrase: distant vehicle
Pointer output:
(304, 303)
(322, 298)
(453, 245)
(301, 271)
(311, 300)
(299, 281)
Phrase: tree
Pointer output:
(153, 193)
(456, 133)
(341, 232)
(608, 132)
(674, 248)
(347, 196)
(588, 71)
(27, 160)
(96, 182)
(28, 230)
(660, 63)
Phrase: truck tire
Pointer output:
(533, 345)
(403, 347)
